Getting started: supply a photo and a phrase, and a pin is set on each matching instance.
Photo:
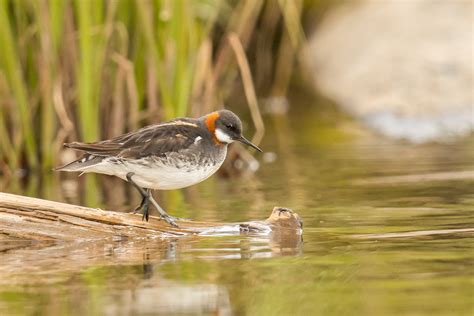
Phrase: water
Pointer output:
(388, 230)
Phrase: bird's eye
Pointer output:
(229, 126)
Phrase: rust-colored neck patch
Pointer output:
(211, 121)
(211, 126)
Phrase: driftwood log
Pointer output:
(27, 218)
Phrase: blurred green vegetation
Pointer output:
(88, 70)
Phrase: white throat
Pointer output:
(222, 136)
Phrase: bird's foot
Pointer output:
(164, 216)
(143, 208)
(170, 219)
(139, 207)
(146, 213)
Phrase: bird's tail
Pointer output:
(81, 164)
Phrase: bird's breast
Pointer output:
(175, 170)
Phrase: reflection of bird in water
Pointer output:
(166, 156)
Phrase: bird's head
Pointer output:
(226, 128)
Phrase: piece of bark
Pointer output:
(29, 218)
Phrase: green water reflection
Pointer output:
(344, 182)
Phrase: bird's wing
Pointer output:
(154, 140)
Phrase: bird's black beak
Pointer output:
(245, 141)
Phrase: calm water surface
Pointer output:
(388, 230)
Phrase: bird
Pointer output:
(171, 155)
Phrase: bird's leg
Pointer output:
(139, 207)
(163, 213)
(147, 197)
(145, 203)
(168, 218)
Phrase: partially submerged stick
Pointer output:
(36, 219)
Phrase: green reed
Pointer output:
(13, 73)
(85, 70)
